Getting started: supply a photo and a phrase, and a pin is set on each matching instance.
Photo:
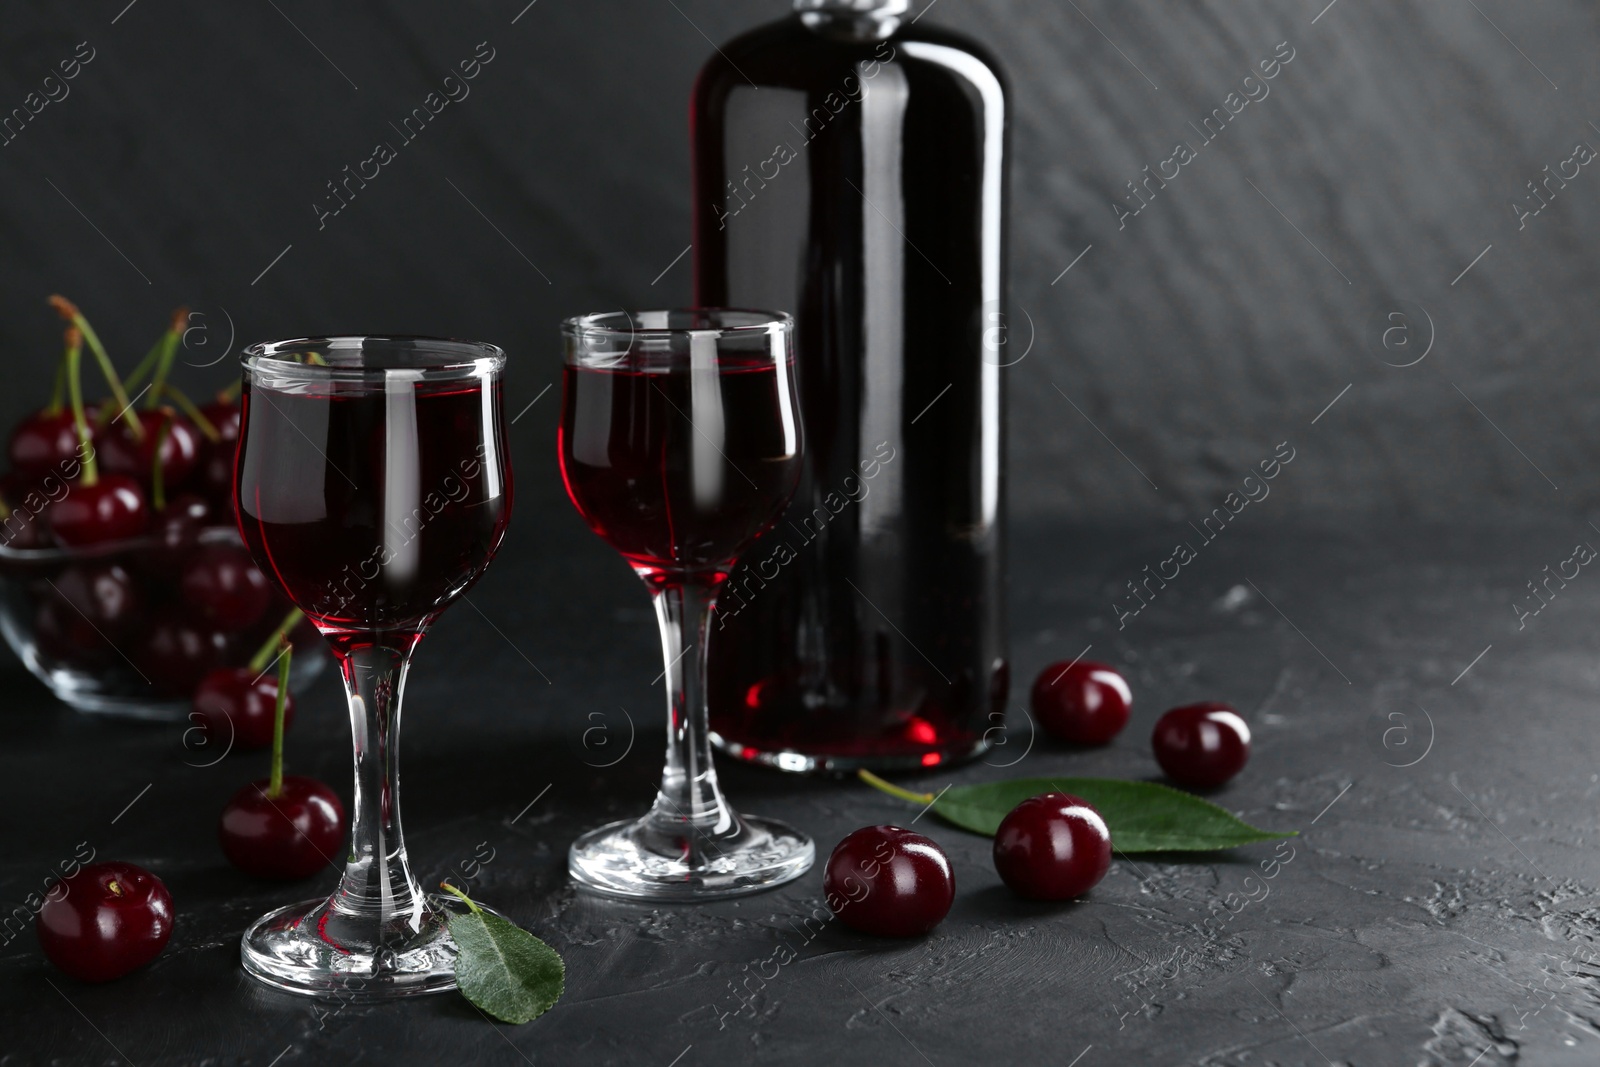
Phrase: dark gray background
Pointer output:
(1195, 339)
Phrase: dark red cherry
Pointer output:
(16, 488)
(292, 835)
(102, 594)
(890, 882)
(43, 443)
(1084, 703)
(112, 509)
(120, 453)
(1201, 745)
(175, 531)
(66, 638)
(214, 477)
(225, 416)
(175, 653)
(1054, 846)
(222, 585)
(105, 920)
(25, 501)
(24, 529)
(238, 703)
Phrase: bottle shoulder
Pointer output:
(959, 55)
(956, 42)
(787, 53)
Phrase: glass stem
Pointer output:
(377, 883)
(689, 804)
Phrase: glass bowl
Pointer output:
(147, 667)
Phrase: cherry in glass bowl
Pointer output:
(109, 629)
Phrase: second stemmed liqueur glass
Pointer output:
(679, 444)
(373, 483)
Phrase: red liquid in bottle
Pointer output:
(397, 501)
(854, 176)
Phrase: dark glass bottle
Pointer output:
(849, 167)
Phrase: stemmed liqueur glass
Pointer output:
(680, 443)
(373, 483)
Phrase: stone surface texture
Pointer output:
(1439, 904)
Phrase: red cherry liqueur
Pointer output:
(850, 168)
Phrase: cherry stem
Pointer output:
(263, 656)
(158, 484)
(69, 311)
(168, 347)
(230, 392)
(142, 371)
(275, 782)
(893, 790)
(58, 392)
(74, 363)
(187, 406)
(448, 888)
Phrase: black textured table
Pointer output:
(1435, 754)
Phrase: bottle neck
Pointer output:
(865, 19)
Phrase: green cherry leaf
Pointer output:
(1142, 816)
(502, 968)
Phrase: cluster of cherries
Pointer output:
(112, 918)
(125, 460)
(157, 476)
(892, 882)
(183, 606)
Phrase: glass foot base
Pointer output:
(642, 860)
(311, 949)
